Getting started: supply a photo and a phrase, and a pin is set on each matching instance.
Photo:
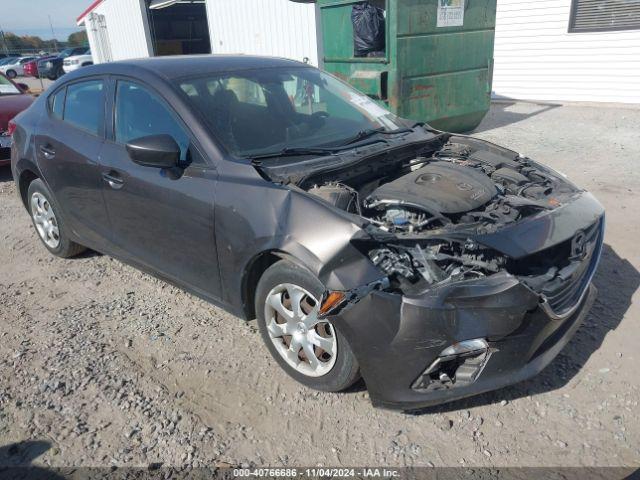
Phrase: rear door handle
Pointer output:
(113, 179)
(47, 151)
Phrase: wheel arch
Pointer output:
(254, 271)
(24, 180)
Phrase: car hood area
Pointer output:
(453, 209)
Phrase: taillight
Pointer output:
(11, 127)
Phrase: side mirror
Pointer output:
(159, 151)
(23, 86)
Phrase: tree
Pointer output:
(78, 38)
(26, 43)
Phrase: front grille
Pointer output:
(559, 273)
(566, 292)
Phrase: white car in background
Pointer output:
(75, 62)
(15, 68)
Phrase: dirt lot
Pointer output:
(102, 365)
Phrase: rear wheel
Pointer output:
(311, 350)
(48, 223)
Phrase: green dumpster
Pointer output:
(437, 63)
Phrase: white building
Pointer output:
(122, 29)
(568, 50)
(549, 50)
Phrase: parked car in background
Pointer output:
(74, 62)
(7, 60)
(15, 68)
(13, 100)
(435, 265)
(52, 68)
(31, 68)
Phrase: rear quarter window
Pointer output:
(56, 104)
(84, 105)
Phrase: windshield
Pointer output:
(257, 112)
(7, 88)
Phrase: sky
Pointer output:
(30, 17)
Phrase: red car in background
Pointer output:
(13, 100)
(31, 68)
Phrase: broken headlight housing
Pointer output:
(420, 265)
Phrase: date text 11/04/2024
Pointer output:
(317, 472)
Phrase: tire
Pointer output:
(11, 74)
(334, 372)
(45, 214)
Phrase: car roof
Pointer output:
(180, 66)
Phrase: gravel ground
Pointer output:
(101, 365)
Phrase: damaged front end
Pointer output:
(487, 259)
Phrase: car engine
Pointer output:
(423, 207)
(458, 188)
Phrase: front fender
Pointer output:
(268, 217)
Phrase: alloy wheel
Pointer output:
(45, 220)
(306, 343)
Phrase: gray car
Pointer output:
(433, 265)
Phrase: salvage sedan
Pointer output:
(436, 266)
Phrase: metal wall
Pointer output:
(263, 27)
(536, 58)
(127, 29)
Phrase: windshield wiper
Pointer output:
(361, 135)
(370, 132)
(293, 152)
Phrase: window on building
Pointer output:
(84, 105)
(604, 15)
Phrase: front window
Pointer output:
(141, 113)
(257, 112)
(7, 88)
(66, 53)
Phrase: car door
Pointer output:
(160, 218)
(68, 144)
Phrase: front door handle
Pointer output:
(47, 151)
(113, 179)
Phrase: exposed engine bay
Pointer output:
(456, 185)
(424, 208)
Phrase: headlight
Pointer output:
(436, 262)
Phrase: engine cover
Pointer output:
(440, 187)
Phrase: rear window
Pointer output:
(84, 105)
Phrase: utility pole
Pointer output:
(53, 35)
(4, 41)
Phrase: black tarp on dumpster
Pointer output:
(368, 30)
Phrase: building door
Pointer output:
(178, 27)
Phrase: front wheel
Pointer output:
(12, 74)
(311, 350)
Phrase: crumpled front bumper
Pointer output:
(397, 337)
